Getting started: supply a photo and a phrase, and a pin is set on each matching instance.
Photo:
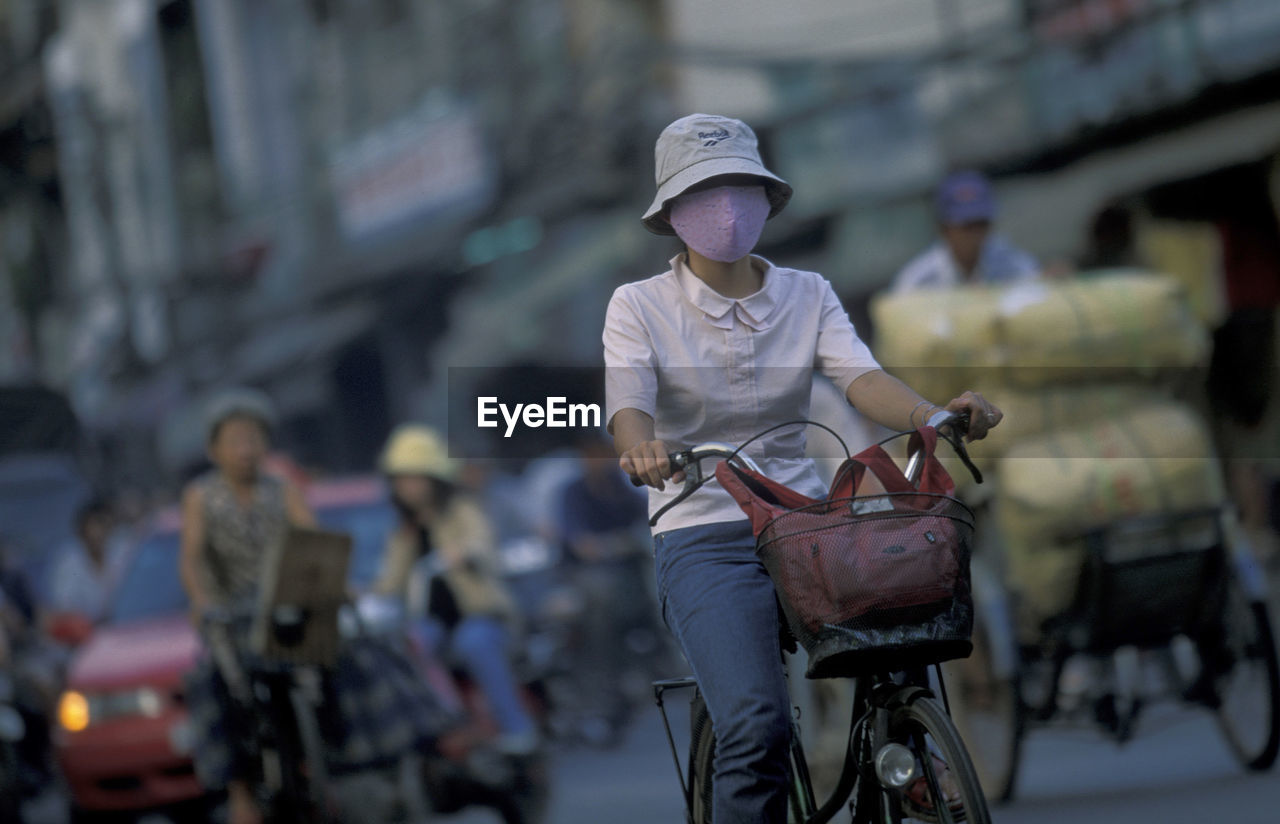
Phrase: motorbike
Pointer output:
(27, 771)
(465, 767)
(591, 685)
(12, 731)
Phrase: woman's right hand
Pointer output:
(649, 462)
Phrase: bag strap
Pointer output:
(761, 498)
(933, 476)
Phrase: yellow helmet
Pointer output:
(413, 449)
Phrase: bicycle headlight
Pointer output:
(895, 765)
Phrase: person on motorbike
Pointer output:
(607, 555)
(441, 560)
(717, 348)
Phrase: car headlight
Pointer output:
(73, 711)
(77, 711)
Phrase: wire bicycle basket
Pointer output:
(872, 582)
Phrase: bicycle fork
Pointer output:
(876, 767)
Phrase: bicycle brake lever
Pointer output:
(957, 443)
(953, 429)
(692, 480)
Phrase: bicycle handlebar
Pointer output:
(690, 461)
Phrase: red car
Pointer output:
(121, 734)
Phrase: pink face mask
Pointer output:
(723, 223)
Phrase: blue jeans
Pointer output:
(719, 603)
(480, 644)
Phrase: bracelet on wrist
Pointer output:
(911, 416)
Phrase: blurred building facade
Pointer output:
(288, 193)
(339, 200)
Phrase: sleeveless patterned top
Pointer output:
(237, 536)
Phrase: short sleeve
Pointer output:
(841, 355)
(630, 376)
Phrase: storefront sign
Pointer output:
(423, 164)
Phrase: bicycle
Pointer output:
(276, 703)
(900, 731)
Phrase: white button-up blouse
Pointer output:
(710, 368)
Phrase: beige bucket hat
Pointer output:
(702, 146)
(413, 449)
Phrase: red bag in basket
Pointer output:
(841, 557)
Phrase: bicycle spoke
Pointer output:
(940, 805)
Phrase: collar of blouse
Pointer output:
(753, 310)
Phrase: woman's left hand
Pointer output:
(983, 414)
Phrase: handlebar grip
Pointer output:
(677, 460)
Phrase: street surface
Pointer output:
(1175, 771)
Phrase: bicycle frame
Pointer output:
(271, 697)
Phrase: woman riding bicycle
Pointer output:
(230, 516)
(719, 347)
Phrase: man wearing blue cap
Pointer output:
(968, 251)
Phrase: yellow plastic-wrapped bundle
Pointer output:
(936, 341)
(1123, 324)
(1032, 412)
(1153, 459)
(1038, 333)
(1029, 412)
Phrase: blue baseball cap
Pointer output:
(965, 197)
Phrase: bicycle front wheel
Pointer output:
(987, 710)
(943, 763)
(299, 760)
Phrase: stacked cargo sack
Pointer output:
(1083, 371)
